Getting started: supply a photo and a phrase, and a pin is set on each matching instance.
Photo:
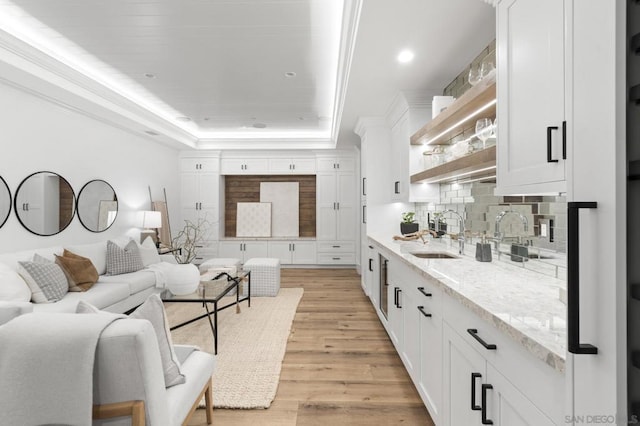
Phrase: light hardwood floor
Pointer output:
(340, 367)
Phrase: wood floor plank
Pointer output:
(340, 367)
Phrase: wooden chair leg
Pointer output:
(208, 402)
(135, 409)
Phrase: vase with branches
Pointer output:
(189, 239)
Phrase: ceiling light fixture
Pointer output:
(405, 56)
(151, 133)
(290, 74)
(259, 125)
(184, 119)
(149, 75)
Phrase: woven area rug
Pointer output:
(251, 346)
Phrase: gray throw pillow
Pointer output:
(123, 260)
(46, 281)
(153, 311)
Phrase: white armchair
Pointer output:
(128, 378)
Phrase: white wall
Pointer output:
(36, 135)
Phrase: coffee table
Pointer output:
(210, 292)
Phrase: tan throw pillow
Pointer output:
(80, 272)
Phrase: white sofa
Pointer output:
(117, 293)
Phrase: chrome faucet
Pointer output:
(498, 235)
(462, 229)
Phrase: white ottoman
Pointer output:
(265, 276)
(219, 262)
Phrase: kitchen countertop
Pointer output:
(519, 302)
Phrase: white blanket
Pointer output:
(46, 368)
(162, 270)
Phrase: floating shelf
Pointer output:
(479, 164)
(455, 119)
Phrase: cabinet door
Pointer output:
(256, 166)
(304, 253)
(346, 197)
(326, 164)
(189, 164)
(208, 165)
(280, 166)
(462, 365)
(280, 250)
(231, 249)
(303, 166)
(507, 406)
(346, 164)
(255, 249)
(395, 305)
(326, 202)
(531, 93)
(398, 186)
(209, 192)
(411, 331)
(232, 166)
(430, 376)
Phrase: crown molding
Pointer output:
(263, 144)
(364, 124)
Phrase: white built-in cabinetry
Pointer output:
(464, 368)
(244, 166)
(293, 252)
(534, 104)
(243, 250)
(292, 166)
(200, 199)
(336, 209)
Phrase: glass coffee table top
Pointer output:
(212, 287)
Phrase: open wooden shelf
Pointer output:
(453, 120)
(470, 166)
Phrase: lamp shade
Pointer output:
(151, 219)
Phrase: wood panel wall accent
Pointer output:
(246, 188)
(67, 199)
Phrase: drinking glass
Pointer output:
(474, 75)
(486, 68)
(484, 128)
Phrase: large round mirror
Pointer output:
(5, 201)
(45, 203)
(97, 206)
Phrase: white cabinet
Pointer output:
(342, 163)
(244, 166)
(200, 193)
(336, 206)
(429, 381)
(293, 252)
(292, 166)
(533, 132)
(243, 250)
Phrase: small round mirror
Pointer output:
(45, 203)
(5, 201)
(97, 206)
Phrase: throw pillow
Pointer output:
(149, 252)
(12, 287)
(80, 272)
(46, 280)
(153, 311)
(123, 260)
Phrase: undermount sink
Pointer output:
(433, 255)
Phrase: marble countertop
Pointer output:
(523, 304)
(268, 239)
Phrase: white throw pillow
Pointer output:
(12, 287)
(153, 311)
(45, 279)
(149, 252)
(123, 260)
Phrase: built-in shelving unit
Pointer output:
(478, 101)
(458, 118)
(473, 166)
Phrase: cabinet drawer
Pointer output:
(336, 259)
(336, 247)
(538, 381)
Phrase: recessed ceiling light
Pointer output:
(206, 119)
(289, 74)
(183, 119)
(405, 56)
(151, 133)
(149, 75)
(259, 125)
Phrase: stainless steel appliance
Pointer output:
(383, 284)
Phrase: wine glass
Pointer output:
(484, 128)
(474, 75)
(486, 68)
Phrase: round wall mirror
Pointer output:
(5, 201)
(44, 203)
(97, 206)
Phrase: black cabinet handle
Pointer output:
(474, 333)
(573, 280)
(474, 376)
(396, 187)
(399, 294)
(564, 140)
(485, 420)
(421, 290)
(395, 296)
(336, 246)
(634, 45)
(370, 265)
(549, 157)
(364, 214)
(421, 309)
(364, 186)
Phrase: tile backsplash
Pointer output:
(546, 216)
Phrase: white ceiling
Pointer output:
(222, 63)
